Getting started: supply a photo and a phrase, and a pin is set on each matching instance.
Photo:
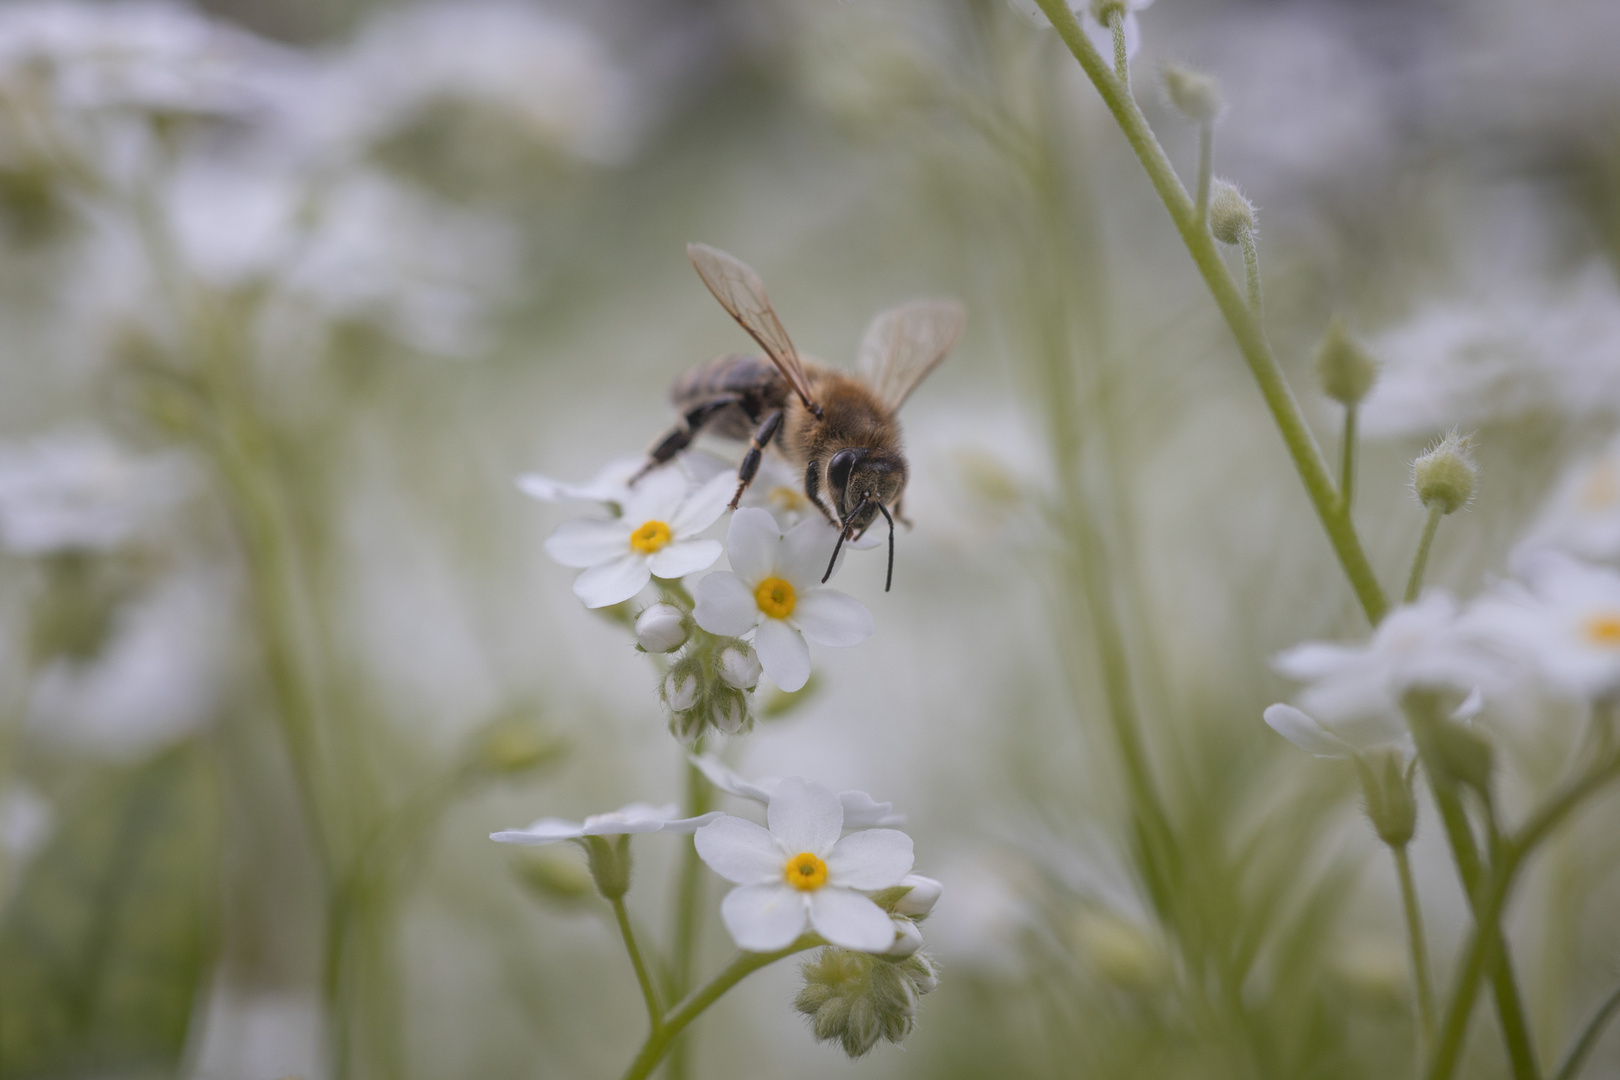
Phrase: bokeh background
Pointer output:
(292, 291)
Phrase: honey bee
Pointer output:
(837, 426)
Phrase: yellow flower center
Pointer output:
(775, 598)
(787, 499)
(650, 537)
(805, 872)
(1602, 487)
(1603, 631)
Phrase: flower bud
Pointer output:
(907, 938)
(609, 860)
(1231, 216)
(855, 999)
(509, 748)
(1193, 94)
(1444, 477)
(1386, 785)
(680, 689)
(554, 878)
(920, 899)
(661, 628)
(1104, 10)
(1119, 950)
(739, 666)
(730, 712)
(1345, 370)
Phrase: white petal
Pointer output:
(1133, 35)
(740, 851)
(751, 543)
(691, 824)
(613, 582)
(725, 604)
(925, 893)
(829, 617)
(727, 781)
(870, 859)
(1102, 38)
(1471, 706)
(806, 816)
(635, 818)
(802, 558)
(849, 919)
(782, 652)
(764, 918)
(683, 557)
(587, 543)
(545, 831)
(907, 938)
(1313, 660)
(655, 497)
(861, 811)
(1306, 733)
(704, 506)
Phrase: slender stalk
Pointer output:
(1251, 273)
(1420, 948)
(1570, 1067)
(1347, 454)
(1122, 61)
(1206, 165)
(745, 964)
(1420, 562)
(655, 1012)
(1242, 321)
(688, 908)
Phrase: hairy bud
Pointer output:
(661, 628)
(609, 860)
(739, 667)
(1445, 476)
(1193, 94)
(1231, 216)
(1345, 370)
(1386, 785)
(680, 689)
(855, 999)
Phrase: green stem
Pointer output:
(650, 995)
(688, 906)
(1206, 163)
(1243, 322)
(745, 964)
(1122, 62)
(1251, 273)
(1420, 948)
(1420, 562)
(1347, 464)
(1583, 1047)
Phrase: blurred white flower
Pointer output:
(610, 486)
(1499, 358)
(159, 677)
(773, 588)
(1102, 38)
(860, 809)
(26, 821)
(634, 818)
(1564, 623)
(656, 536)
(1582, 515)
(661, 628)
(76, 490)
(799, 872)
(1354, 692)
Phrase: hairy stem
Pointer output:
(655, 1013)
(1347, 463)
(688, 907)
(745, 964)
(1242, 321)
(1419, 944)
(1122, 61)
(1420, 561)
(1251, 273)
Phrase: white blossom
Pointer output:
(1563, 621)
(610, 486)
(77, 491)
(774, 589)
(798, 873)
(634, 818)
(1582, 515)
(860, 809)
(656, 536)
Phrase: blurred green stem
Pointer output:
(1583, 1046)
(1206, 168)
(688, 905)
(1420, 561)
(655, 1016)
(745, 964)
(1420, 948)
(1347, 464)
(1243, 321)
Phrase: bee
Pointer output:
(837, 426)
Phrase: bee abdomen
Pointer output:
(750, 377)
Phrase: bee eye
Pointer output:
(840, 465)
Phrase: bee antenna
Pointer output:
(843, 534)
(890, 579)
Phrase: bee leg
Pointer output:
(750, 462)
(812, 490)
(680, 436)
(898, 516)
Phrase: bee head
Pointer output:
(859, 481)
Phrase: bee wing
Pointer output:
(742, 293)
(903, 344)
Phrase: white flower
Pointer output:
(774, 586)
(661, 628)
(1356, 690)
(610, 486)
(739, 668)
(1344, 740)
(657, 535)
(76, 490)
(861, 811)
(1582, 515)
(635, 818)
(1565, 623)
(799, 872)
